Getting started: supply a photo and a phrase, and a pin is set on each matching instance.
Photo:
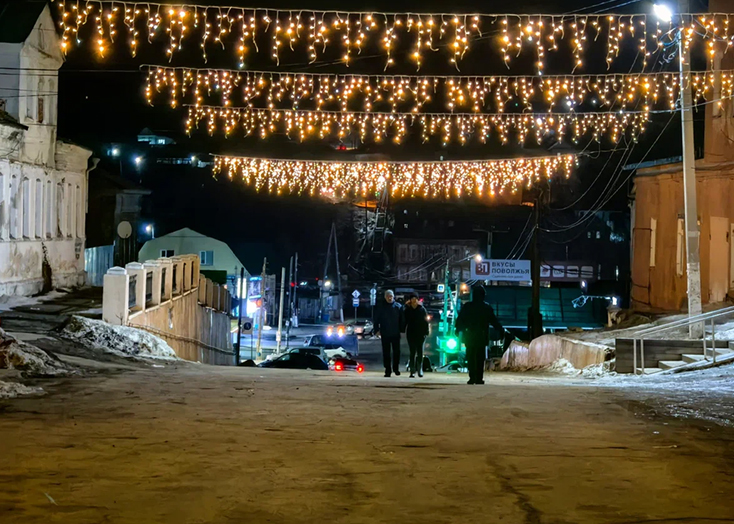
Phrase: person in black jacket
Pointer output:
(473, 325)
(389, 323)
(416, 331)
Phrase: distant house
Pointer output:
(154, 139)
(218, 262)
(43, 180)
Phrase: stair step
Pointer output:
(720, 352)
(690, 359)
(652, 371)
(670, 364)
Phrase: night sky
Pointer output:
(101, 101)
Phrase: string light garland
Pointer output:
(447, 126)
(369, 93)
(251, 30)
(485, 178)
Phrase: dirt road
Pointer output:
(196, 444)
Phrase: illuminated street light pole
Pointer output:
(693, 233)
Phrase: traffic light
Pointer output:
(451, 344)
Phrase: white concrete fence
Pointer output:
(170, 298)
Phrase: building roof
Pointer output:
(18, 18)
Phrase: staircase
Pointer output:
(647, 353)
(692, 358)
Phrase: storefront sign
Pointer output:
(507, 270)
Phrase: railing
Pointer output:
(640, 336)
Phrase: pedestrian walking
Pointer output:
(416, 331)
(389, 323)
(473, 325)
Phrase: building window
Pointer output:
(207, 258)
(653, 239)
(166, 253)
(40, 109)
(413, 252)
(38, 214)
(680, 248)
(402, 253)
(598, 235)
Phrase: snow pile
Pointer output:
(13, 389)
(29, 359)
(603, 369)
(563, 366)
(121, 340)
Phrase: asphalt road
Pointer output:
(200, 444)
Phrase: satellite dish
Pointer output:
(124, 229)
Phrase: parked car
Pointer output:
(345, 364)
(314, 350)
(362, 327)
(334, 343)
(295, 361)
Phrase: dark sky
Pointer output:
(101, 101)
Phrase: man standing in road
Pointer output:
(473, 325)
(389, 322)
(416, 331)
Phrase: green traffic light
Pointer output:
(451, 343)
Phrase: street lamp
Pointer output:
(327, 284)
(693, 233)
(138, 160)
(150, 230)
(662, 12)
(478, 258)
(115, 151)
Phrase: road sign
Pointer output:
(247, 326)
(355, 302)
(356, 294)
(506, 270)
(440, 288)
(373, 292)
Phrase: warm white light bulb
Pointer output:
(663, 12)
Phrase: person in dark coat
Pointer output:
(473, 325)
(416, 331)
(389, 323)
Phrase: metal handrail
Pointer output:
(696, 319)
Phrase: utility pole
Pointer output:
(279, 335)
(325, 296)
(536, 318)
(446, 292)
(291, 287)
(338, 274)
(239, 317)
(262, 309)
(693, 234)
(295, 292)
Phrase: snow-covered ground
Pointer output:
(8, 302)
(121, 340)
(14, 389)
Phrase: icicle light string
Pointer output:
(368, 93)
(482, 178)
(449, 127)
(245, 31)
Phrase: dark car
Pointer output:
(345, 364)
(296, 361)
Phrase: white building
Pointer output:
(43, 181)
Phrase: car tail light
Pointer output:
(338, 366)
(340, 332)
(360, 368)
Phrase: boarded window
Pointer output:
(653, 238)
(80, 208)
(40, 109)
(70, 225)
(60, 226)
(680, 248)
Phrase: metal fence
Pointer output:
(97, 260)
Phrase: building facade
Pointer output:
(43, 180)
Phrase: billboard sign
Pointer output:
(505, 270)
